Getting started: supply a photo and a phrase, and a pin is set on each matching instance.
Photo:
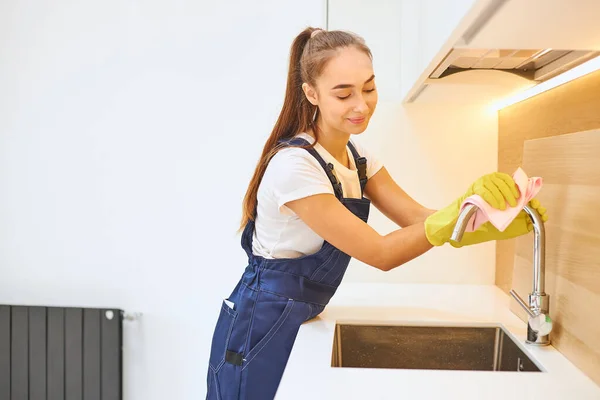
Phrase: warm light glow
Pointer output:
(577, 72)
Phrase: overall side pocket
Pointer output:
(221, 336)
(270, 314)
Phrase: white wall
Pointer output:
(128, 134)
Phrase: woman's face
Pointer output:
(345, 92)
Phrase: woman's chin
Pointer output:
(356, 129)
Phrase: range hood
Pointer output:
(503, 47)
(535, 65)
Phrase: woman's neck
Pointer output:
(334, 142)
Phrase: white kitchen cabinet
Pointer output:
(535, 24)
(425, 27)
(437, 20)
(500, 47)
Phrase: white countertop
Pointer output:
(309, 374)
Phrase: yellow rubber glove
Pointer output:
(521, 225)
(496, 189)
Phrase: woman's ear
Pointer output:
(310, 93)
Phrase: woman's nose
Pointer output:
(361, 105)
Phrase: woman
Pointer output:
(305, 215)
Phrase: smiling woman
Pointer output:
(348, 105)
(305, 214)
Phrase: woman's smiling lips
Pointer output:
(359, 120)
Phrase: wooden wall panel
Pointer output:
(572, 107)
(573, 234)
(571, 170)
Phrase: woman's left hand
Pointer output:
(521, 225)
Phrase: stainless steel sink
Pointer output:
(475, 348)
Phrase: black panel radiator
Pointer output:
(60, 353)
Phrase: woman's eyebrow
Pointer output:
(347, 85)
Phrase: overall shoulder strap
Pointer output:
(361, 166)
(327, 167)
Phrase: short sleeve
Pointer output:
(293, 174)
(374, 164)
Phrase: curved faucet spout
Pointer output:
(538, 300)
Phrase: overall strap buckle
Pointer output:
(337, 185)
(361, 166)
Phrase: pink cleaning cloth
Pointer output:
(529, 188)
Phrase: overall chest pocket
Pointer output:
(221, 335)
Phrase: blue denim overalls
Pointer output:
(251, 343)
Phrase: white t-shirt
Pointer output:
(292, 174)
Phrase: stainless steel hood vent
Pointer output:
(536, 65)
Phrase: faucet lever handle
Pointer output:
(522, 303)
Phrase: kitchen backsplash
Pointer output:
(556, 135)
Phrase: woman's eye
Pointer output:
(345, 97)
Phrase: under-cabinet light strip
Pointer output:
(572, 74)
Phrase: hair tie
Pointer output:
(315, 32)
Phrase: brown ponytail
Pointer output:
(308, 56)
